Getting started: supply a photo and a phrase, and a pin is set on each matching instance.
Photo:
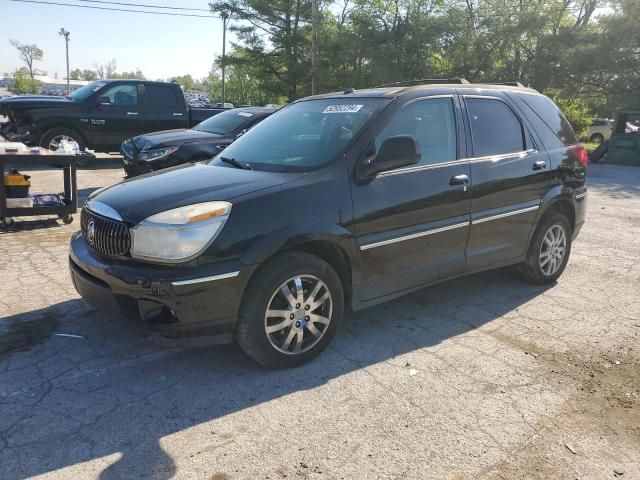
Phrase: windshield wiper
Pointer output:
(236, 163)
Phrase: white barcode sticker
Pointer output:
(245, 114)
(344, 108)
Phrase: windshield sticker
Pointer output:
(342, 108)
(245, 114)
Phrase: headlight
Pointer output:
(149, 155)
(180, 234)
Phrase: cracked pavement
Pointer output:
(479, 377)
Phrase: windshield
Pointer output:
(304, 135)
(85, 92)
(225, 123)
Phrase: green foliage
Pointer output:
(187, 82)
(575, 109)
(75, 74)
(137, 75)
(547, 44)
(24, 83)
(89, 75)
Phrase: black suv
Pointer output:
(344, 199)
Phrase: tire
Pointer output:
(264, 292)
(596, 138)
(540, 268)
(49, 137)
(66, 219)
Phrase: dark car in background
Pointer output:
(345, 199)
(100, 115)
(158, 150)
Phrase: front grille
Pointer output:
(109, 237)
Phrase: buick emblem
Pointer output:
(91, 232)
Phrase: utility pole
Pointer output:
(225, 17)
(65, 34)
(314, 45)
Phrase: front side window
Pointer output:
(628, 123)
(304, 135)
(432, 123)
(122, 95)
(495, 129)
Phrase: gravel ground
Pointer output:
(483, 377)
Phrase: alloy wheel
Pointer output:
(54, 143)
(298, 314)
(552, 250)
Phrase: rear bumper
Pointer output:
(193, 302)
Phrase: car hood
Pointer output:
(168, 138)
(25, 102)
(141, 197)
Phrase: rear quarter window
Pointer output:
(547, 118)
(160, 96)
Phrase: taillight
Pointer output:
(580, 153)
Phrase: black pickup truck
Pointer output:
(100, 115)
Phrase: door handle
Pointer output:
(539, 165)
(177, 114)
(459, 180)
(132, 113)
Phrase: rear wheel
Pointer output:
(596, 138)
(290, 311)
(549, 250)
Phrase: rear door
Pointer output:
(412, 223)
(510, 176)
(163, 108)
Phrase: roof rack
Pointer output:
(408, 83)
(508, 84)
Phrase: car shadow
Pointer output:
(108, 390)
(616, 181)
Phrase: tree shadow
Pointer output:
(116, 392)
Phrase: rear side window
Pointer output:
(160, 96)
(495, 129)
(547, 111)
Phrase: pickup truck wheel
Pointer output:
(290, 311)
(597, 138)
(548, 253)
(51, 138)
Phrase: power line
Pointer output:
(145, 5)
(113, 9)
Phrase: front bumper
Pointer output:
(197, 302)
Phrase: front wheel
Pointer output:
(549, 250)
(597, 138)
(290, 311)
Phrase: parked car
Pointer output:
(100, 115)
(340, 200)
(600, 130)
(158, 150)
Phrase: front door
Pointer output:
(509, 176)
(412, 223)
(121, 117)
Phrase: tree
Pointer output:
(274, 37)
(137, 75)
(107, 70)
(29, 53)
(187, 82)
(75, 74)
(89, 75)
(24, 83)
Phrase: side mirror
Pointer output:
(395, 152)
(104, 101)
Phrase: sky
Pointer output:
(161, 46)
